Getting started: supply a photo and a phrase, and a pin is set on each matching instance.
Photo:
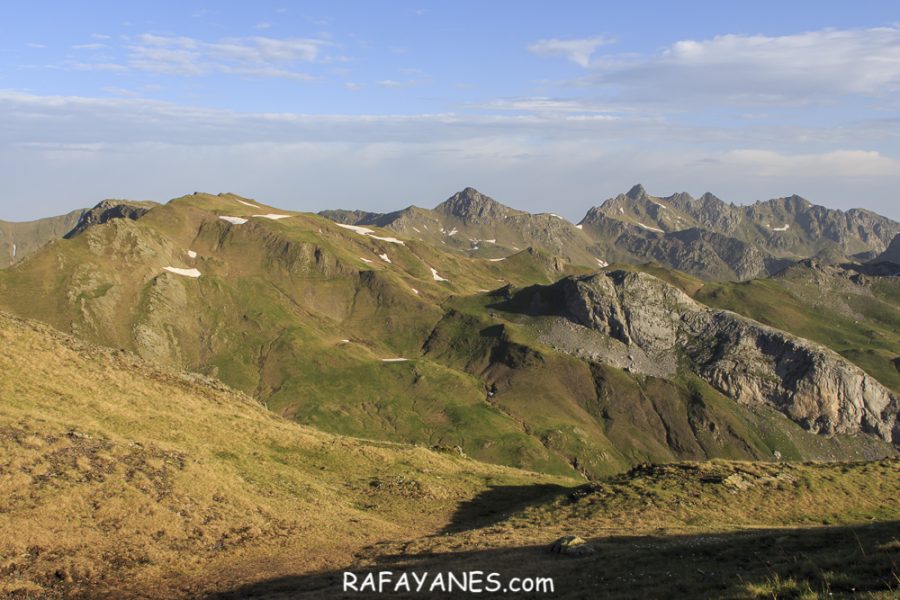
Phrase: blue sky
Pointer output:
(378, 105)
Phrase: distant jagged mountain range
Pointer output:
(704, 236)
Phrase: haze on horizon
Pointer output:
(316, 105)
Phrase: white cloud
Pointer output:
(92, 46)
(251, 56)
(790, 69)
(405, 83)
(35, 45)
(264, 25)
(833, 164)
(117, 147)
(100, 36)
(578, 51)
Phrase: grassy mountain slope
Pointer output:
(357, 332)
(18, 240)
(122, 477)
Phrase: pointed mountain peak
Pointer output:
(636, 192)
(472, 205)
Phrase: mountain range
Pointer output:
(364, 331)
(706, 236)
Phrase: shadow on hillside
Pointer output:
(828, 561)
(498, 502)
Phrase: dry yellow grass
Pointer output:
(119, 478)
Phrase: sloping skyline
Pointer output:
(316, 105)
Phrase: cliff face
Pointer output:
(743, 359)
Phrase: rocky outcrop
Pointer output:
(749, 362)
(108, 210)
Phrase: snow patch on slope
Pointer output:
(194, 273)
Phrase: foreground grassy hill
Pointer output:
(122, 479)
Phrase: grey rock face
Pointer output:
(108, 210)
(745, 360)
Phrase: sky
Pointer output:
(379, 105)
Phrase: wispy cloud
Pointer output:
(251, 56)
(91, 46)
(399, 84)
(578, 51)
(35, 45)
(815, 66)
(118, 146)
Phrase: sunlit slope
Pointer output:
(122, 477)
(308, 316)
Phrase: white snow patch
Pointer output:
(247, 203)
(394, 360)
(603, 264)
(368, 232)
(192, 254)
(621, 210)
(234, 220)
(415, 291)
(356, 228)
(365, 260)
(579, 226)
(784, 228)
(437, 277)
(392, 240)
(15, 250)
(483, 291)
(658, 204)
(497, 259)
(494, 241)
(650, 228)
(416, 229)
(273, 217)
(345, 341)
(557, 216)
(185, 272)
(385, 258)
(514, 248)
(453, 232)
(473, 248)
